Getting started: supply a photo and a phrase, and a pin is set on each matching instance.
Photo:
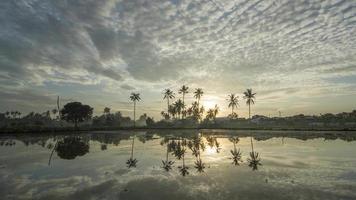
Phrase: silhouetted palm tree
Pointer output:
(131, 162)
(254, 160)
(233, 102)
(168, 94)
(135, 97)
(210, 114)
(198, 93)
(250, 99)
(179, 105)
(183, 91)
(236, 154)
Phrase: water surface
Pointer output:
(179, 165)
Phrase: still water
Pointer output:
(179, 165)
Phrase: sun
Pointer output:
(209, 104)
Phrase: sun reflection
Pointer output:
(210, 151)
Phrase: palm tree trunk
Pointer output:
(168, 106)
(249, 111)
(232, 110)
(134, 113)
(183, 104)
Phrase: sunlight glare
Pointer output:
(209, 104)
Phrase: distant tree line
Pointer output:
(178, 114)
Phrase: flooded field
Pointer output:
(179, 165)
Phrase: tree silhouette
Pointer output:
(233, 101)
(106, 110)
(76, 112)
(183, 90)
(179, 107)
(131, 162)
(250, 99)
(135, 97)
(168, 94)
(198, 93)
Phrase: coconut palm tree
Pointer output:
(233, 101)
(210, 114)
(135, 97)
(236, 154)
(183, 90)
(198, 93)
(254, 160)
(179, 105)
(131, 162)
(168, 94)
(250, 99)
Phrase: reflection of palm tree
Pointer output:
(135, 97)
(236, 154)
(254, 160)
(250, 99)
(213, 142)
(131, 162)
(179, 151)
(199, 165)
(196, 145)
(167, 164)
(183, 91)
(50, 146)
(168, 94)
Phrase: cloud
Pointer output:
(225, 46)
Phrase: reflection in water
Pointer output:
(254, 160)
(167, 164)
(179, 150)
(195, 145)
(131, 162)
(236, 154)
(71, 147)
(309, 165)
(213, 142)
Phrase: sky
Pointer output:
(298, 56)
